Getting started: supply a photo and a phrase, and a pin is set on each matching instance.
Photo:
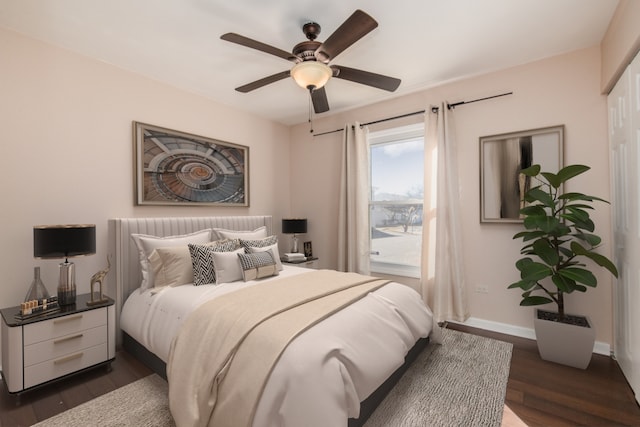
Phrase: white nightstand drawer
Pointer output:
(53, 345)
(51, 349)
(54, 368)
(65, 325)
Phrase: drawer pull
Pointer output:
(67, 319)
(68, 358)
(68, 338)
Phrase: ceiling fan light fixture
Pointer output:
(311, 74)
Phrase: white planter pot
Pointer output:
(563, 343)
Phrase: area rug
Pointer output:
(459, 383)
(143, 403)
(462, 383)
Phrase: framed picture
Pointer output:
(178, 168)
(308, 251)
(502, 157)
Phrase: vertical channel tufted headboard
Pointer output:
(125, 274)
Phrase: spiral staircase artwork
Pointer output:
(185, 169)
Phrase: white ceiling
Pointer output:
(422, 42)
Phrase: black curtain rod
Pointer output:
(374, 122)
(433, 109)
(451, 106)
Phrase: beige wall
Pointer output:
(67, 152)
(67, 157)
(620, 43)
(561, 90)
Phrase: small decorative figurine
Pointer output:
(99, 278)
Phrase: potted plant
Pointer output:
(559, 238)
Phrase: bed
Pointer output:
(333, 373)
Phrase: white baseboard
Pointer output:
(518, 331)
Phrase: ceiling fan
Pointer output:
(311, 70)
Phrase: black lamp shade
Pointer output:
(294, 226)
(63, 241)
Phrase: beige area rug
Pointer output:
(459, 383)
(143, 403)
(462, 383)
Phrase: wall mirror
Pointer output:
(501, 159)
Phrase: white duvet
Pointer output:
(326, 372)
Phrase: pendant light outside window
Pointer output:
(311, 74)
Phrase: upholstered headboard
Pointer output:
(125, 275)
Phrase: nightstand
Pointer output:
(52, 346)
(307, 263)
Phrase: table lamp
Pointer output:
(294, 226)
(64, 241)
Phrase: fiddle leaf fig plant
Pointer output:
(559, 237)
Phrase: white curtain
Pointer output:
(353, 219)
(442, 279)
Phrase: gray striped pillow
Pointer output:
(259, 243)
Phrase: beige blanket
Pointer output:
(226, 349)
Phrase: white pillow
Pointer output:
(147, 244)
(274, 253)
(171, 266)
(227, 266)
(258, 233)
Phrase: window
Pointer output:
(397, 191)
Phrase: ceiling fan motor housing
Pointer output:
(306, 50)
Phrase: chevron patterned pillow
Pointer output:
(204, 271)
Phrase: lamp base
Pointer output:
(67, 284)
(66, 297)
(294, 245)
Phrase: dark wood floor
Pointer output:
(48, 401)
(539, 393)
(546, 394)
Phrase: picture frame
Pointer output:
(502, 157)
(179, 168)
(308, 250)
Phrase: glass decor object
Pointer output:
(311, 74)
(37, 291)
(64, 241)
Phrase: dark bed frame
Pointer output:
(367, 406)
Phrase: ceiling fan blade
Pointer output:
(366, 78)
(320, 101)
(351, 30)
(254, 44)
(263, 82)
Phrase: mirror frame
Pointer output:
(501, 159)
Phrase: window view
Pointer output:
(397, 191)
